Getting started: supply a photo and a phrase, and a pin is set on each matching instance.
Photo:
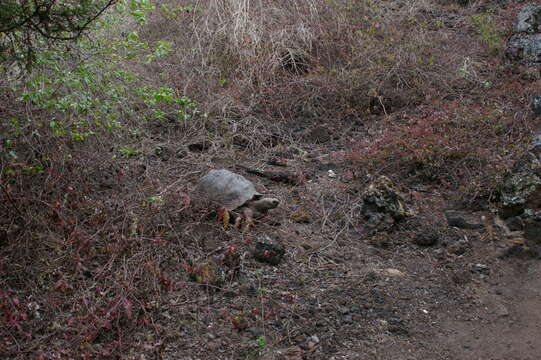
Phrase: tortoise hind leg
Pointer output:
(223, 217)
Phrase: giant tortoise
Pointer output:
(234, 193)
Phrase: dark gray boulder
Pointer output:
(382, 197)
(382, 206)
(525, 44)
(529, 20)
(526, 47)
(520, 189)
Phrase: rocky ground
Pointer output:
(420, 289)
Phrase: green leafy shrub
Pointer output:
(87, 92)
(488, 31)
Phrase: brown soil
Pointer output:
(508, 323)
(337, 294)
(340, 294)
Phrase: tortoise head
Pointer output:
(265, 204)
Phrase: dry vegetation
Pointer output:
(99, 238)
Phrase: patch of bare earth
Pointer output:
(507, 324)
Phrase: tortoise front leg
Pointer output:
(248, 219)
(238, 219)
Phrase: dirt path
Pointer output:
(508, 323)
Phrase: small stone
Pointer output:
(461, 277)
(458, 247)
(501, 310)
(439, 254)
(481, 268)
(518, 248)
(393, 272)
(214, 345)
(255, 331)
(536, 143)
(536, 105)
(292, 353)
(162, 151)
(378, 223)
(232, 259)
(299, 339)
(306, 245)
(241, 141)
(530, 74)
(269, 250)
(277, 161)
(300, 216)
(380, 239)
(397, 326)
(343, 310)
(515, 223)
(318, 135)
(532, 230)
(426, 239)
(200, 146)
(3, 237)
(288, 153)
(456, 219)
(181, 154)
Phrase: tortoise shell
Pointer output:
(228, 189)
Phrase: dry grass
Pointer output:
(307, 56)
